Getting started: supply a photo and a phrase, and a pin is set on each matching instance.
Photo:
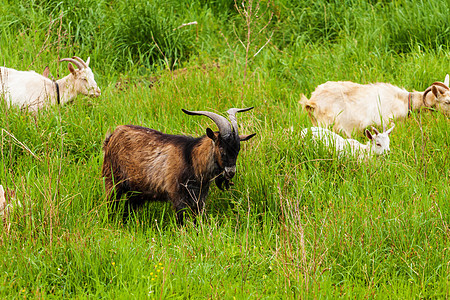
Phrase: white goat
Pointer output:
(2, 200)
(349, 106)
(31, 90)
(378, 144)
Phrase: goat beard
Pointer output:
(222, 182)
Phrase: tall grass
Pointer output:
(299, 223)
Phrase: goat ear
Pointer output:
(430, 98)
(46, 72)
(87, 61)
(390, 130)
(211, 134)
(447, 80)
(71, 68)
(434, 90)
(243, 138)
(368, 134)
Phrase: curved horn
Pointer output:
(426, 92)
(375, 130)
(80, 60)
(232, 113)
(75, 62)
(221, 122)
(438, 83)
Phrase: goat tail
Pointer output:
(309, 107)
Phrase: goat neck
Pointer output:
(416, 100)
(58, 94)
(66, 88)
(203, 160)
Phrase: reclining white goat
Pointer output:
(349, 106)
(378, 144)
(28, 89)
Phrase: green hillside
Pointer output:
(299, 223)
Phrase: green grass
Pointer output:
(299, 223)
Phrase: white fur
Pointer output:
(378, 144)
(2, 200)
(349, 106)
(33, 90)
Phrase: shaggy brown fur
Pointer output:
(154, 166)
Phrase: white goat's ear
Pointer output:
(447, 80)
(71, 68)
(368, 134)
(46, 72)
(87, 61)
(434, 90)
(390, 130)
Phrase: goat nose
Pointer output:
(230, 171)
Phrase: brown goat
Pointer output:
(154, 166)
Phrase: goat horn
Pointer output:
(221, 122)
(80, 60)
(437, 84)
(232, 113)
(440, 84)
(75, 62)
(426, 92)
(375, 130)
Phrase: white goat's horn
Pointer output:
(80, 60)
(75, 62)
(375, 130)
(437, 83)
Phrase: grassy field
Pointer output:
(298, 223)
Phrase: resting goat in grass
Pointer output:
(28, 89)
(154, 166)
(378, 144)
(348, 106)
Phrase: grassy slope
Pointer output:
(297, 223)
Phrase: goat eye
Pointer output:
(378, 145)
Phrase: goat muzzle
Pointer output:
(95, 93)
(223, 181)
(229, 172)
